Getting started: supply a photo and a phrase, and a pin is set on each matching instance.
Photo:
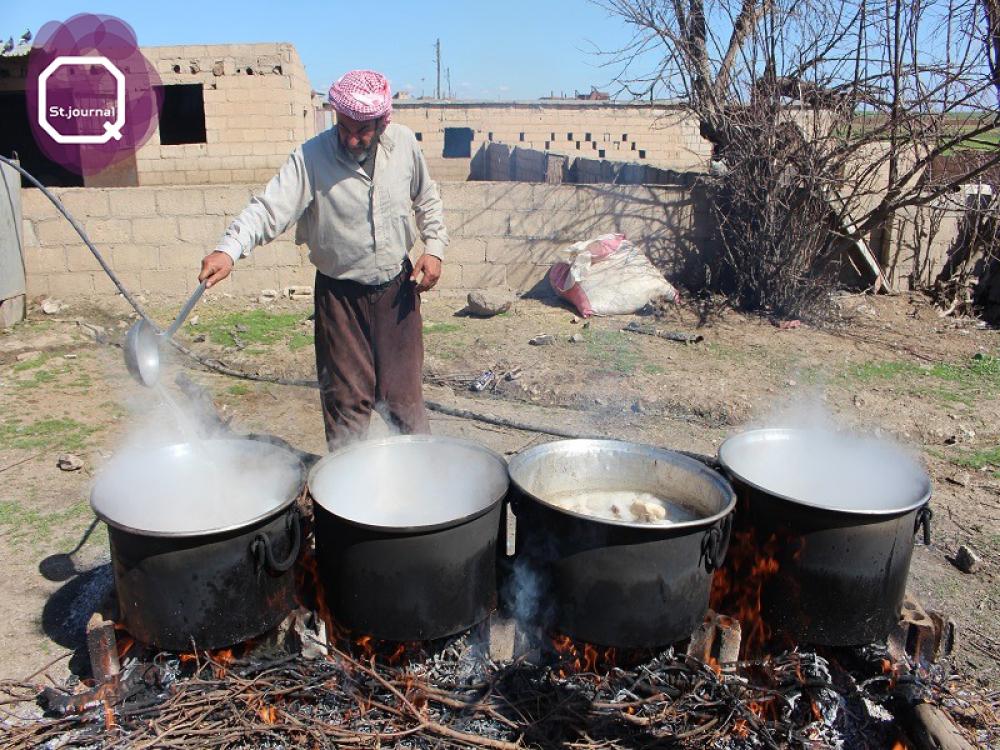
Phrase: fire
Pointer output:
(738, 586)
(583, 657)
(110, 722)
(365, 644)
(125, 643)
(397, 654)
(268, 714)
(309, 594)
(223, 656)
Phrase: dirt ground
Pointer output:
(888, 363)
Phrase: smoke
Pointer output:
(525, 594)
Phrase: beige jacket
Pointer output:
(356, 228)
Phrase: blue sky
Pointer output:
(510, 49)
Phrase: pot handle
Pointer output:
(715, 544)
(924, 516)
(260, 547)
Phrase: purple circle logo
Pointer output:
(93, 99)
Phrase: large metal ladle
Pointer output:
(143, 341)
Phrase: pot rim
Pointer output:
(652, 451)
(408, 439)
(925, 494)
(244, 524)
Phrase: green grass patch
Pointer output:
(64, 433)
(251, 327)
(300, 340)
(978, 460)
(31, 364)
(613, 350)
(238, 390)
(652, 369)
(40, 377)
(83, 380)
(21, 523)
(948, 381)
(442, 327)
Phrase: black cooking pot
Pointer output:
(203, 539)
(614, 582)
(836, 515)
(406, 535)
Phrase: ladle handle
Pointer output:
(185, 311)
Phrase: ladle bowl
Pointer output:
(143, 341)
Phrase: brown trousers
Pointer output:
(369, 354)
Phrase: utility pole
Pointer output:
(438, 56)
(447, 76)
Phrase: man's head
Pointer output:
(363, 103)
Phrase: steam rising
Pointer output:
(168, 480)
(836, 470)
(802, 453)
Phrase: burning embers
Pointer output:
(361, 692)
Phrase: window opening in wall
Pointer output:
(182, 114)
(520, 136)
(601, 153)
(624, 137)
(489, 135)
(569, 136)
(642, 154)
(552, 136)
(578, 145)
(457, 143)
(586, 136)
(593, 145)
(633, 145)
(547, 145)
(16, 135)
(420, 136)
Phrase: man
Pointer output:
(353, 190)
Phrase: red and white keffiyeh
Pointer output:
(362, 95)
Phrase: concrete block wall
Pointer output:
(503, 235)
(258, 107)
(153, 238)
(661, 135)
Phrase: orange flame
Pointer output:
(583, 657)
(365, 644)
(268, 714)
(310, 595)
(737, 587)
(124, 641)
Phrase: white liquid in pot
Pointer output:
(628, 506)
(192, 488)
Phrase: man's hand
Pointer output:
(215, 267)
(430, 267)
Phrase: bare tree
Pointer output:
(826, 122)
